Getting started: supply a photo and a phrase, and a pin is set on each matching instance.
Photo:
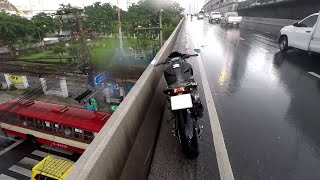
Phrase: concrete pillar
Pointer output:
(122, 92)
(44, 85)
(107, 93)
(6, 76)
(64, 88)
(25, 81)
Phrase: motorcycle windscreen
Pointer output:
(182, 101)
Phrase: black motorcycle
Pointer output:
(184, 102)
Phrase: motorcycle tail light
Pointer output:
(178, 90)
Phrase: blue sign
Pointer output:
(101, 77)
(91, 80)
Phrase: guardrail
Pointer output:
(124, 146)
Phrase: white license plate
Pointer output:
(182, 101)
(234, 23)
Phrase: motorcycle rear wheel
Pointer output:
(190, 147)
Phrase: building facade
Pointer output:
(7, 7)
(221, 6)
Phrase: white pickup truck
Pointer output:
(214, 17)
(231, 18)
(304, 35)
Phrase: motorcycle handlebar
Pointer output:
(185, 56)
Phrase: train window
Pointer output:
(67, 131)
(22, 120)
(57, 128)
(30, 122)
(77, 133)
(88, 135)
(39, 124)
(12, 117)
(47, 126)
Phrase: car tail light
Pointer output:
(178, 90)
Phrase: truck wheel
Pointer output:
(283, 44)
(32, 139)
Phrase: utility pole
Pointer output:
(84, 49)
(120, 26)
(161, 28)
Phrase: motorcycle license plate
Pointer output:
(182, 101)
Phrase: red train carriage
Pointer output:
(62, 126)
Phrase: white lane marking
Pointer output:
(268, 32)
(5, 177)
(21, 170)
(39, 153)
(251, 28)
(264, 49)
(56, 149)
(11, 146)
(28, 161)
(9, 138)
(242, 39)
(224, 165)
(221, 150)
(314, 74)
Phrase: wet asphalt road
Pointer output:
(266, 103)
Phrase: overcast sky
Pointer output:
(54, 4)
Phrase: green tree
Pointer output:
(146, 14)
(44, 24)
(67, 17)
(101, 18)
(14, 29)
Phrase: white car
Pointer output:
(304, 35)
(214, 17)
(200, 16)
(231, 18)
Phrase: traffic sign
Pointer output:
(98, 79)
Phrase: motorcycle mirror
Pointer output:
(197, 50)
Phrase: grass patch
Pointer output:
(18, 91)
(36, 55)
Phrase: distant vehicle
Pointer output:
(215, 17)
(206, 14)
(51, 168)
(304, 35)
(200, 16)
(60, 126)
(231, 18)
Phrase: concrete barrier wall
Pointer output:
(129, 133)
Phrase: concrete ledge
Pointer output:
(107, 155)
